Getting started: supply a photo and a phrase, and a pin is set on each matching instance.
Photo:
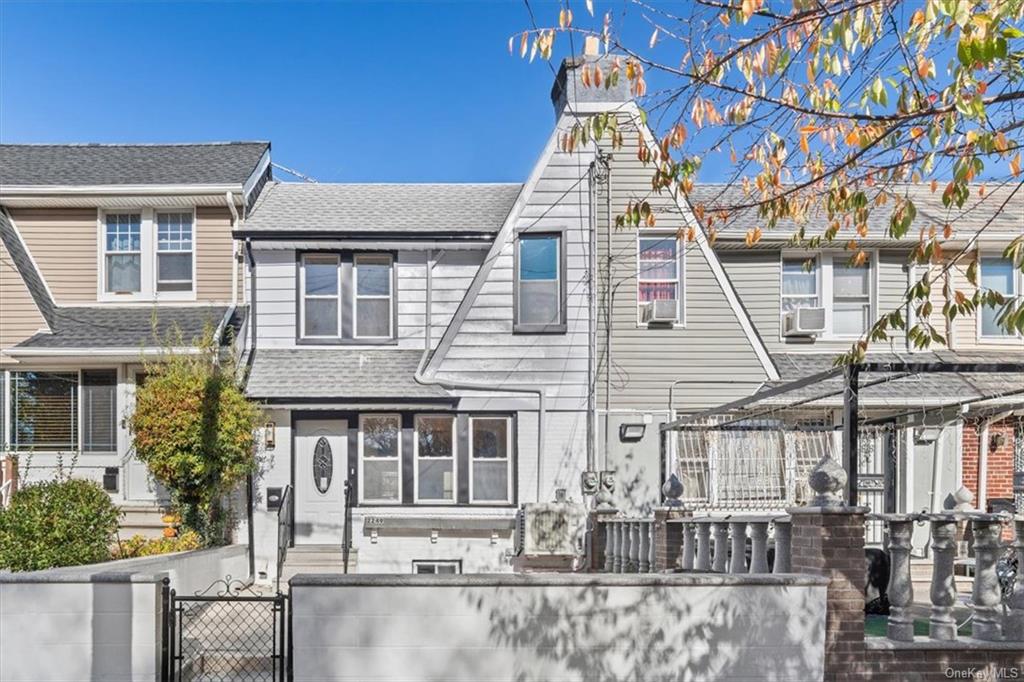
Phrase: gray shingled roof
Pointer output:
(317, 208)
(23, 264)
(220, 163)
(911, 390)
(338, 374)
(122, 327)
(975, 214)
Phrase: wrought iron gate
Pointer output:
(226, 633)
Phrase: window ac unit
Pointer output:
(549, 528)
(803, 322)
(663, 311)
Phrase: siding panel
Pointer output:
(63, 244)
(19, 316)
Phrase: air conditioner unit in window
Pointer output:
(662, 311)
(550, 528)
(803, 322)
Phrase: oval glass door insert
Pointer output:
(323, 465)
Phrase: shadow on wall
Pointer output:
(654, 633)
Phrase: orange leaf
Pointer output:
(1015, 165)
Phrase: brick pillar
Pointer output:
(830, 542)
(598, 538)
(668, 538)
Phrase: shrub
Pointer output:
(64, 522)
(137, 545)
(193, 427)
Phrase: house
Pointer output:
(99, 243)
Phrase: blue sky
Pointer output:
(345, 91)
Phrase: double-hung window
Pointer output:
(831, 282)
(490, 460)
(435, 458)
(540, 283)
(373, 303)
(46, 408)
(658, 272)
(997, 274)
(321, 287)
(123, 253)
(174, 251)
(380, 456)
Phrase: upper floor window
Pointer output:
(346, 298)
(997, 274)
(174, 251)
(123, 253)
(658, 279)
(147, 254)
(64, 411)
(844, 291)
(540, 283)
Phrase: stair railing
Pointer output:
(285, 522)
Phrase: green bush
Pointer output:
(65, 522)
(138, 545)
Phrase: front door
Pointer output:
(321, 460)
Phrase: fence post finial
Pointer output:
(828, 480)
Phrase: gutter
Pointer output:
(421, 378)
(234, 248)
(252, 308)
(10, 191)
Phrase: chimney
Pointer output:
(569, 90)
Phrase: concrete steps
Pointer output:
(317, 559)
(141, 519)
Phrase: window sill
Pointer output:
(344, 342)
(539, 329)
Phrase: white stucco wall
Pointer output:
(558, 627)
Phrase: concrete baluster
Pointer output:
(688, 545)
(620, 544)
(901, 591)
(609, 546)
(759, 546)
(652, 546)
(703, 545)
(738, 561)
(720, 531)
(1014, 629)
(942, 624)
(644, 547)
(986, 597)
(783, 546)
(634, 547)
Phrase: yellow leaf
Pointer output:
(1015, 165)
(748, 9)
(804, 146)
(523, 42)
(917, 19)
(753, 236)
(916, 132)
(562, 19)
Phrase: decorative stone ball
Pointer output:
(672, 489)
(828, 480)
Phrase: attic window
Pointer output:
(540, 283)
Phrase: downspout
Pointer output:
(234, 248)
(252, 306)
(608, 308)
(592, 324)
(471, 386)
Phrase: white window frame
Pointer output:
(356, 296)
(304, 296)
(184, 294)
(362, 459)
(560, 325)
(824, 264)
(148, 245)
(457, 563)
(679, 281)
(1018, 292)
(509, 455)
(416, 460)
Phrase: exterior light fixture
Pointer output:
(631, 433)
(270, 435)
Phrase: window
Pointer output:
(851, 298)
(845, 291)
(490, 459)
(657, 272)
(540, 290)
(123, 253)
(799, 283)
(373, 297)
(44, 410)
(99, 410)
(380, 456)
(435, 458)
(174, 251)
(437, 567)
(997, 274)
(321, 286)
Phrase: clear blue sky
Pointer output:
(345, 91)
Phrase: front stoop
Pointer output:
(317, 559)
(141, 519)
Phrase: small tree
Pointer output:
(193, 427)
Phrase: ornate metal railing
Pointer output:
(996, 600)
(285, 522)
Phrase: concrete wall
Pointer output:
(558, 627)
(101, 621)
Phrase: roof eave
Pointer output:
(18, 191)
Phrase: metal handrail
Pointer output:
(285, 521)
